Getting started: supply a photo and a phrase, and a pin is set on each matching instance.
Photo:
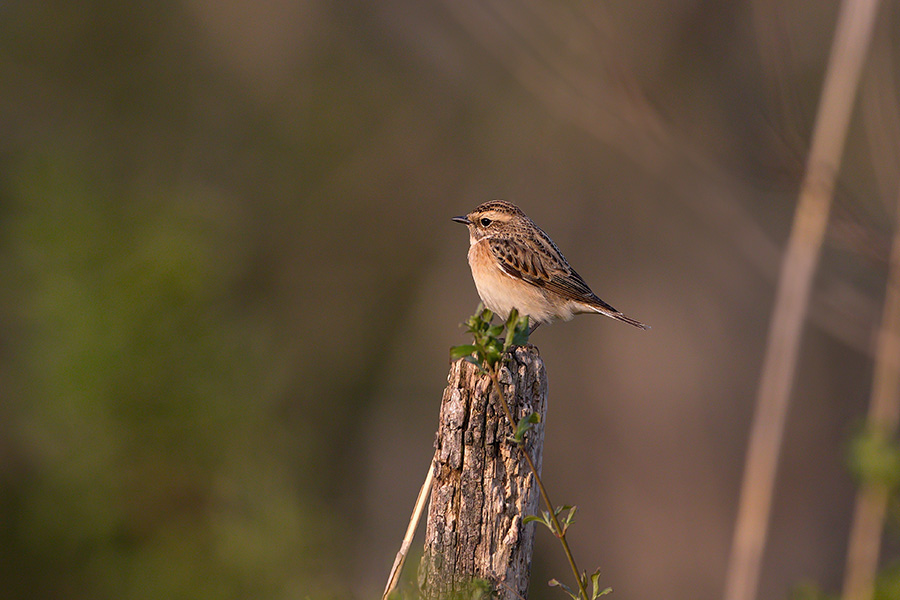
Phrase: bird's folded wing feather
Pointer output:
(542, 268)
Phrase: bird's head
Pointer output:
(492, 218)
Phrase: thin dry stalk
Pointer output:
(880, 108)
(882, 122)
(884, 413)
(854, 31)
(394, 577)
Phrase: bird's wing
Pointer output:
(543, 265)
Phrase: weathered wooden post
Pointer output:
(482, 486)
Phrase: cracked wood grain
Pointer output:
(482, 485)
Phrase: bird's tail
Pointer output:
(629, 320)
(611, 312)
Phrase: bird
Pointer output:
(516, 265)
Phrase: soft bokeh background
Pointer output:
(229, 281)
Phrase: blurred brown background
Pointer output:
(229, 281)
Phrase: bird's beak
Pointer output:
(463, 220)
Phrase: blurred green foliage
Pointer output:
(150, 463)
(151, 444)
(809, 590)
(887, 587)
(874, 459)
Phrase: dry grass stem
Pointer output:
(394, 577)
(884, 413)
(854, 29)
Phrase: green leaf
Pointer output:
(536, 519)
(567, 589)
(479, 322)
(516, 330)
(525, 424)
(495, 331)
(570, 518)
(492, 352)
(519, 335)
(476, 362)
(484, 314)
(457, 352)
(596, 592)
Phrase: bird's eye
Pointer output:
(485, 221)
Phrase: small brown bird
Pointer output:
(516, 265)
